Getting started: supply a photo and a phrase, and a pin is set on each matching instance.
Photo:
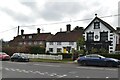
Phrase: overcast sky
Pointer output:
(33, 14)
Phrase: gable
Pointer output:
(103, 25)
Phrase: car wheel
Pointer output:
(83, 63)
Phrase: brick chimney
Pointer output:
(68, 27)
(38, 30)
(22, 32)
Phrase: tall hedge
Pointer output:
(37, 50)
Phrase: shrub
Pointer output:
(116, 56)
(37, 50)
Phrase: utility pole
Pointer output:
(18, 30)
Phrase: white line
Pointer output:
(76, 76)
(12, 69)
(47, 65)
(17, 62)
(7, 69)
(93, 68)
(36, 64)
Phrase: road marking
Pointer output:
(17, 62)
(25, 71)
(61, 76)
(76, 76)
(72, 72)
(36, 72)
(107, 77)
(47, 65)
(36, 64)
(12, 69)
(93, 68)
(7, 69)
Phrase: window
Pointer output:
(111, 31)
(90, 36)
(58, 50)
(104, 36)
(111, 51)
(35, 43)
(96, 25)
(24, 43)
(30, 37)
(51, 43)
(40, 42)
(58, 43)
(51, 49)
(20, 43)
(23, 37)
(29, 43)
(111, 38)
(71, 43)
(111, 34)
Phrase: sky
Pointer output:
(51, 15)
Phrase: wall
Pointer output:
(63, 44)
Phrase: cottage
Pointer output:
(30, 39)
(99, 34)
(64, 42)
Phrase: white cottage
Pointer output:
(64, 42)
(99, 34)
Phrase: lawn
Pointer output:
(50, 60)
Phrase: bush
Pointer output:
(37, 50)
(116, 56)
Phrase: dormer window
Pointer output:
(23, 37)
(30, 37)
(96, 25)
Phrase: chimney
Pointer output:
(68, 27)
(118, 29)
(60, 29)
(38, 30)
(22, 32)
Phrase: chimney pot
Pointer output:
(38, 30)
(22, 32)
(68, 27)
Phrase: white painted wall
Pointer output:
(97, 32)
(63, 44)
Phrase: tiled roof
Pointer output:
(35, 37)
(103, 22)
(70, 36)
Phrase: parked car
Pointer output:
(4, 56)
(98, 60)
(19, 57)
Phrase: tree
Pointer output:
(80, 43)
(103, 51)
(94, 51)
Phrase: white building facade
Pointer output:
(99, 34)
(61, 47)
(64, 42)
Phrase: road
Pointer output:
(54, 70)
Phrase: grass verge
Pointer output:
(52, 61)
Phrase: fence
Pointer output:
(43, 56)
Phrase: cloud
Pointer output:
(58, 10)
(19, 17)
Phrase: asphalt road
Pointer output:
(54, 70)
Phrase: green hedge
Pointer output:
(37, 50)
(116, 56)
